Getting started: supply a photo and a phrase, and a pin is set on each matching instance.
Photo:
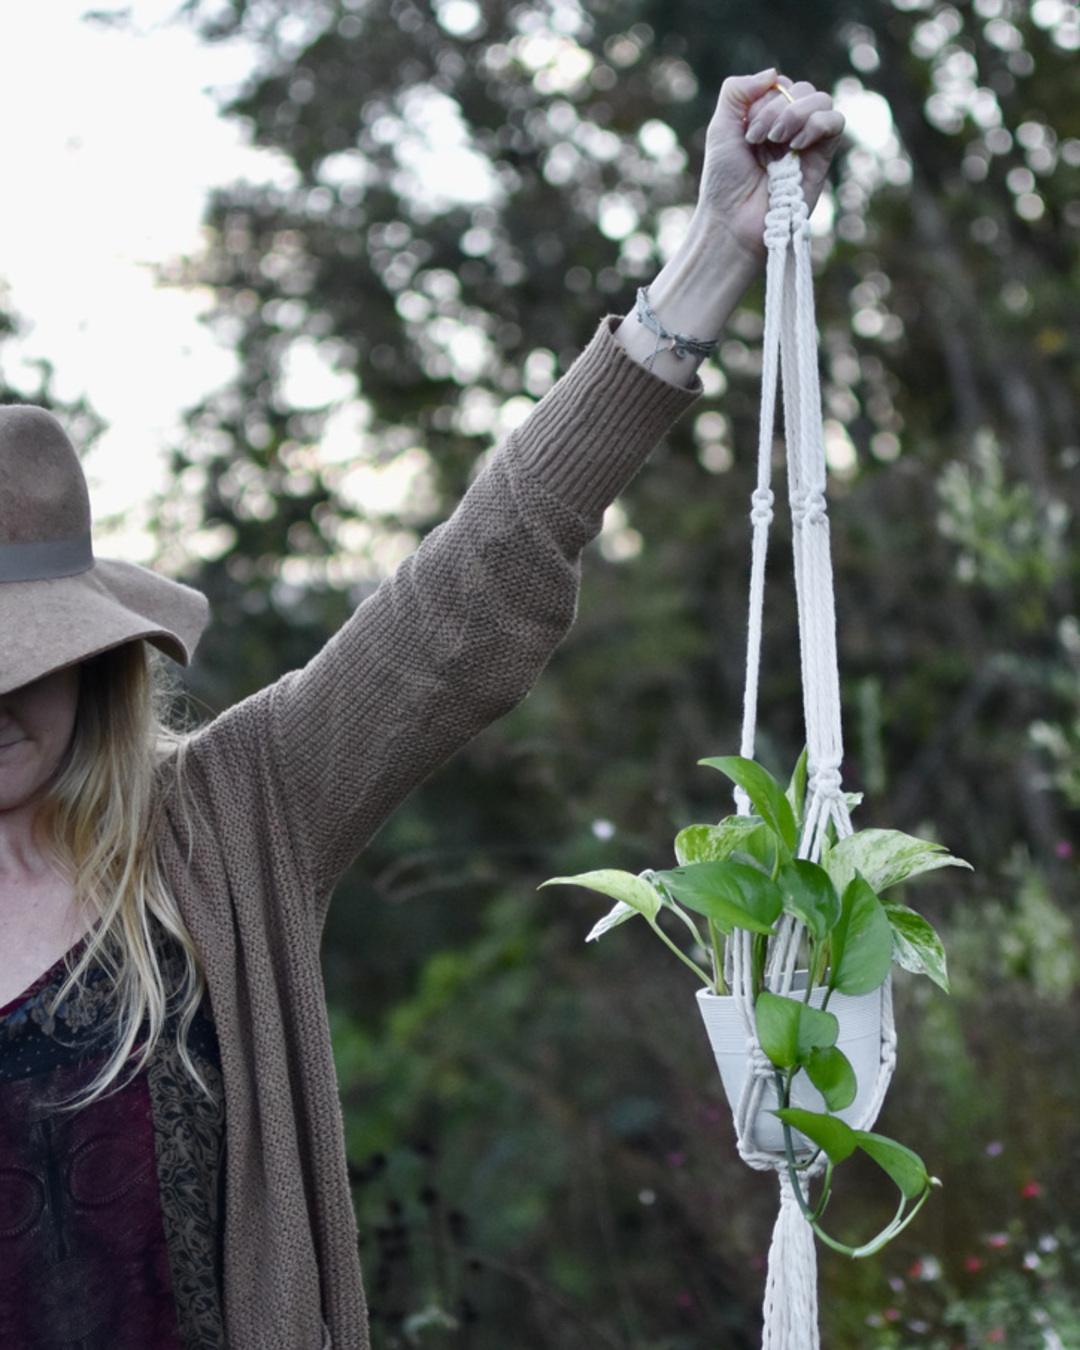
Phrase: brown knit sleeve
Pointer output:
(456, 636)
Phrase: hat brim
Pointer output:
(46, 625)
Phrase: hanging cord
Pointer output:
(790, 350)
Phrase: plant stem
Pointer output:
(826, 1187)
(701, 974)
(810, 960)
(887, 1234)
(758, 954)
(718, 958)
(811, 1216)
(686, 920)
(789, 1150)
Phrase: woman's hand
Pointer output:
(754, 123)
(700, 285)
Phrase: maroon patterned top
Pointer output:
(109, 1230)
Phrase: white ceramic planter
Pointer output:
(859, 1039)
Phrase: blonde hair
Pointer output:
(97, 823)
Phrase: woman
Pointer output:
(162, 896)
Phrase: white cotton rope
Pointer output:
(790, 354)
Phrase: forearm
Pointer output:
(695, 293)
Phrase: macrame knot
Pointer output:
(761, 1066)
(762, 512)
(808, 507)
(787, 212)
(826, 783)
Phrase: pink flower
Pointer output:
(996, 1335)
(684, 1298)
(1063, 848)
(997, 1240)
(1030, 1189)
(676, 1158)
(973, 1263)
(891, 1314)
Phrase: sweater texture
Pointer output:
(290, 784)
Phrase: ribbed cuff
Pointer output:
(593, 430)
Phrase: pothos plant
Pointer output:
(743, 873)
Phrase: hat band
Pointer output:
(42, 559)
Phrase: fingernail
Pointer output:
(776, 134)
(755, 132)
(800, 140)
(769, 70)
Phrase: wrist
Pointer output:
(694, 293)
(704, 279)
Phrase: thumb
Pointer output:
(738, 92)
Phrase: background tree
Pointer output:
(542, 1154)
(83, 423)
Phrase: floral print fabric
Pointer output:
(110, 1232)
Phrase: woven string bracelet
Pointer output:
(681, 345)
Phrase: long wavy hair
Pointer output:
(98, 823)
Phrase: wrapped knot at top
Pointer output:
(826, 783)
(787, 214)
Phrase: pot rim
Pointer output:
(704, 993)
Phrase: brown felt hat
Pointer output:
(58, 603)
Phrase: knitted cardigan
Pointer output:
(290, 784)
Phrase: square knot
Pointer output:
(762, 511)
(808, 507)
(826, 782)
(761, 1066)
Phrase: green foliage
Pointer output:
(851, 942)
(885, 857)
(809, 894)
(714, 843)
(830, 1071)
(861, 941)
(765, 793)
(789, 1032)
(916, 946)
(837, 1140)
(733, 895)
(624, 887)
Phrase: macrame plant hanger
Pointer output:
(790, 352)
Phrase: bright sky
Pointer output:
(111, 140)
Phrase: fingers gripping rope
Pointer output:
(790, 350)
